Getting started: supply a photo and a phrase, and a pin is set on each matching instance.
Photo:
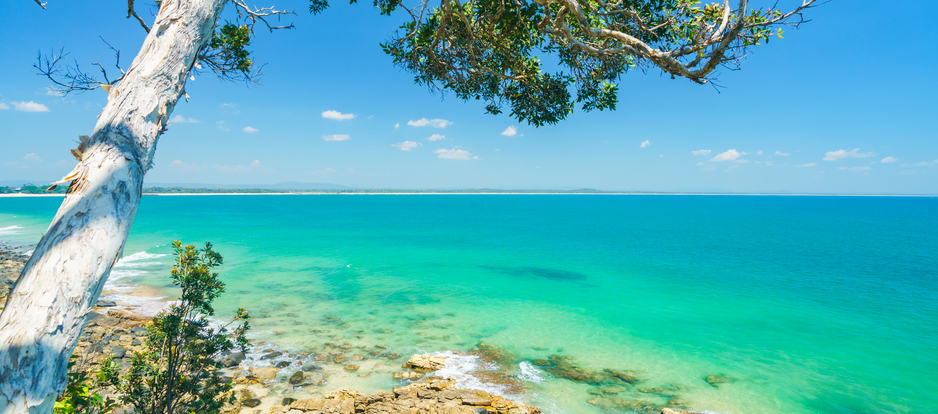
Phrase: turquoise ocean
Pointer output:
(804, 304)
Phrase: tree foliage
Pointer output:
(179, 370)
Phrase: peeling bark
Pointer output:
(47, 309)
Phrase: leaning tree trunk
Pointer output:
(46, 311)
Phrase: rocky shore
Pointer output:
(296, 383)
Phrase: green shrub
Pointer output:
(79, 395)
(178, 371)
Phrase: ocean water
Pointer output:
(806, 304)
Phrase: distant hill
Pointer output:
(289, 185)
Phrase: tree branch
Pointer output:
(132, 12)
(255, 15)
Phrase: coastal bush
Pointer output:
(179, 370)
(80, 395)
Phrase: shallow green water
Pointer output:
(810, 304)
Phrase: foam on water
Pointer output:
(133, 266)
(460, 368)
(528, 372)
(6, 231)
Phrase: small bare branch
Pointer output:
(255, 15)
(41, 4)
(68, 79)
(132, 12)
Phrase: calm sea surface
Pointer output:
(806, 304)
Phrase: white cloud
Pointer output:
(179, 119)
(889, 159)
(455, 154)
(337, 115)
(497, 149)
(221, 126)
(53, 92)
(335, 137)
(397, 125)
(769, 163)
(759, 153)
(923, 164)
(30, 160)
(810, 164)
(782, 154)
(856, 169)
(700, 163)
(701, 152)
(645, 143)
(29, 106)
(839, 154)
(255, 166)
(731, 155)
(250, 130)
(407, 145)
(437, 137)
(510, 131)
(4, 106)
(181, 166)
(435, 122)
(324, 171)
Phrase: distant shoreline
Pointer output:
(499, 193)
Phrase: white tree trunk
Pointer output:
(46, 311)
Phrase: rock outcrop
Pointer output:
(430, 395)
(425, 363)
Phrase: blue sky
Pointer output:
(846, 104)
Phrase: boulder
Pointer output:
(426, 363)
(233, 359)
(264, 374)
(105, 304)
(296, 378)
(118, 351)
(282, 364)
(271, 355)
(251, 402)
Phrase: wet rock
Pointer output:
(716, 380)
(271, 355)
(339, 359)
(233, 359)
(282, 364)
(495, 354)
(321, 357)
(296, 378)
(251, 402)
(394, 356)
(345, 346)
(105, 304)
(247, 394)
(627, 376)
(541, 362)
(287, 401)
(622, 404)
(407, 375)
(351, 367)
(356, 358)
(381, 346)
(426, 363)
